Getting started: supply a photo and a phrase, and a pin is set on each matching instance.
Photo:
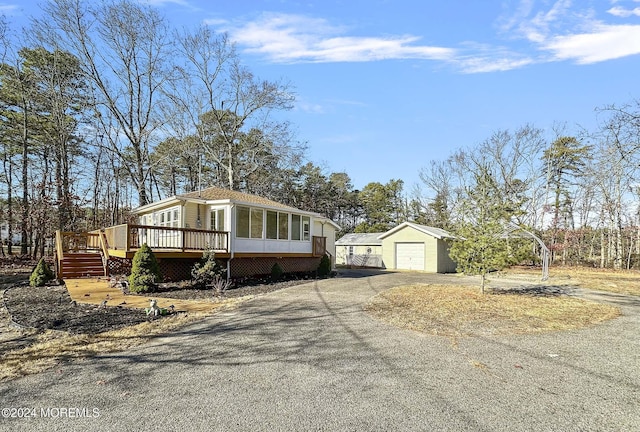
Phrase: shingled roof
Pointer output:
(219, 194)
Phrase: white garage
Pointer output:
(410, 256)
(411, 246)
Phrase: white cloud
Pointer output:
(567, 32)
(294, 38)
(623, 12)
(8, 9)
(564, 31)
(486, 64)
(604, 42)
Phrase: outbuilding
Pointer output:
(360, 250)
(411, 246)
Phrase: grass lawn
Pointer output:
(462, 311)
(620, 281)
(51, 349)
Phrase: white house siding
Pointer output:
(189, 219)
(243, 245)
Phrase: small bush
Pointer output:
(324, 268)
(220, 285)
(207, 271)
(145, 272)
(276, 272)
(41, 274)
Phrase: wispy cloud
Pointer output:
(566, 32)
(8, 9)
(604, 42)
(289, 38)
(623, 12)
(529, 34)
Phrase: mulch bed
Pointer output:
(240, 288)
(50, 307)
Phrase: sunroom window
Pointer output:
(249, 222)
(277, 225)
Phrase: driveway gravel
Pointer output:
(309, 358)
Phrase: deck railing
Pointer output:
(319, 246)
(130, 237)
(70, 242)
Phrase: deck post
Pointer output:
(127, 245)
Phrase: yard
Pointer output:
(56, 330)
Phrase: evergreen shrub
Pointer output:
(145, 271)
(41, 274)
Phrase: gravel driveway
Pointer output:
(308, 358)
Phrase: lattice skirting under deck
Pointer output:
(175, 269)
(245, 267)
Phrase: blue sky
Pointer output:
(383, 87)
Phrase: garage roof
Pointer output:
(360, 239)
(433, 232)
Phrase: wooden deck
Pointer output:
(114, 248)
(123, 241)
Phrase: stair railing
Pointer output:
(59, 254)
(104, 246)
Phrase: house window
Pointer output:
(306, 228)
(242, 222)
(249, 222)
(295, 227)
(256, 223)
(283, 226)
(216, 222)
(168, 218)
(277, 225)
(272, 224)
(300, 227)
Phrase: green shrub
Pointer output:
(207, 271)
(41, 274)
(145, 272)
(324, 268)
(276, 272)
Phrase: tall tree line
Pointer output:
(104, 106)
(578, 192)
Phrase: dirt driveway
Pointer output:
(309, 358)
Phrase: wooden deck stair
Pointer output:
(78, 265)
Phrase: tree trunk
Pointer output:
(25, 183)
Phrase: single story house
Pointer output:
(411, 246)
(248, 233)
(360, 250)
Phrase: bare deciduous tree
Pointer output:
(124, 50)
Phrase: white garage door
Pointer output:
(410, 256)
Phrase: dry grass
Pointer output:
(616, 281)
(52, 348)
(457, 311)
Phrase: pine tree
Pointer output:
(480, 246)
(41, 274)
(145, 271)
